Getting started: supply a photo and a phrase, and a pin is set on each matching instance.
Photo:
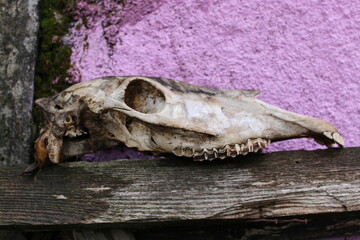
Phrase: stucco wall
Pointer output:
(303, 55)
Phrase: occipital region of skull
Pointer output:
(166, 116)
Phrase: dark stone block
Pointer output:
(19, 21)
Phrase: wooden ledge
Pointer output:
(282, 186)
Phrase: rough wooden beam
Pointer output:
(283, 186)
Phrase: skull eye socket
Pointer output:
(144, 97)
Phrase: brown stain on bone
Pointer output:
(41, 151)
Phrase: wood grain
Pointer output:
(282, 185)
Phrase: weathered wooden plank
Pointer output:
(277, 185)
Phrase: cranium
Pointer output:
(165, 116)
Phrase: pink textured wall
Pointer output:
(303, 55)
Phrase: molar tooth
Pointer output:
(216, 152)
(188, 152)
(210, 154)
(178, 151)
(238, 149)
(222, 152)
(198, 157)
(244, 149)
(228, 150)
(232, 152)
(265, 142)
(258, 145)
(206, 154)
(250, 145)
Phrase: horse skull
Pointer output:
(165, 116)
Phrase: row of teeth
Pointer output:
(252, 145)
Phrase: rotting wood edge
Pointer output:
(277, 188)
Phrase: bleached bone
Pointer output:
(165, 116)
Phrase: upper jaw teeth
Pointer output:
(229, 150)
(335, 137)
(233, 150)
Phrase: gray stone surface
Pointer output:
(18, 46)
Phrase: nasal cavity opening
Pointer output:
(143, 97)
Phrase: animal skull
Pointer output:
(166, 116)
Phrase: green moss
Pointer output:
(53, 60)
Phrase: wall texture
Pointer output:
(303, 55)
